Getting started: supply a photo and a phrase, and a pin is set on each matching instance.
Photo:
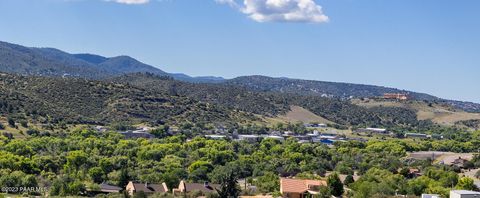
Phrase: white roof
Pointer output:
(376, 129)
(215, 136)
(465, 192)
(249, 136)
(275, 137)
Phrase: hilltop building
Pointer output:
(395, 96)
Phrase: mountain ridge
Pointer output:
(54, 62)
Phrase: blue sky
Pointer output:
(430, 46)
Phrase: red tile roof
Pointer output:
(299, 185)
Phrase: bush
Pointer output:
(33, 132)
(11, 122)
(24, 123)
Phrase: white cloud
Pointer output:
(280, 10)
(131, 1)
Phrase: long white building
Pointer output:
(464, 194)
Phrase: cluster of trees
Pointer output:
(71, 162)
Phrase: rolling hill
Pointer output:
(337, 90)
(53, 62)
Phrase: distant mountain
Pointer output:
(319, 88)
(91, 58)
(336, 90)
(53, 62)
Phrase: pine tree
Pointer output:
(335, 185)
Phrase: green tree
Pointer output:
(335, 185)
(161, 132)
(348, 180)
(466, 183)
(268, 182)
(96, 174)
(11, 122)
(124, 178)
(75, 160)
(227, 177)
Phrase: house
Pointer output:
(416, 135)
(147, 188)
(216, 137)
(315, 125)
(250, 138)
(373, 131)
(185, 187)
(279, 138)
(104, 189)
(464, 194)
(298, 188)
(430, 196)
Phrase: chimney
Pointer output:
(146, 184)
(206, 184)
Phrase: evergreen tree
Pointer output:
(335, 185)
(348, 180)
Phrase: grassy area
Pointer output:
(438, 113)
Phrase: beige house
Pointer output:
(147, 188)
(300, 188)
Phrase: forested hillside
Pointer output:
(336, 90)
(86, 101)
(272, 103)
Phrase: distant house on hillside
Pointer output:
(299, 188)
(216, 137)
(315, 125)
(137, 134)
(250, 138)
(416, 135)
(395, 96)
(371, 131)
(204, 188)
(147, 188)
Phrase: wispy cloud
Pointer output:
(280, 10)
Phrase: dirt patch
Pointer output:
(438, 113)
(299, 114)
(445, 157)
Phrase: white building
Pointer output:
(280, 138)
(430, 196)
(464, 194)
(216, 137)
(249, 138)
